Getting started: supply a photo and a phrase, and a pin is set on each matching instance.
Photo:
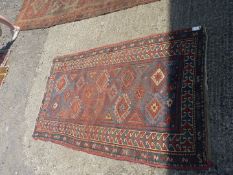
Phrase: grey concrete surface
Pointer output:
(217, 17)
(24, 58)
(30, 63)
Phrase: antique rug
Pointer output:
(46, 13)
(142, 101)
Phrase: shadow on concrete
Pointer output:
(217, 17)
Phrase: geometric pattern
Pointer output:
(153, 108)
(141, 101)
(127, 78)
(46, 13)
(158, 77)
(122, 108)
(61, 84)
(75, 106)
(102, 81)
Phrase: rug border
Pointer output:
(122, 158)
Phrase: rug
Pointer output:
(3, 67)
(3, 74)
(46, 13)
(141, 101)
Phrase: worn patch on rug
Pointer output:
(141, 101)
(46, 13)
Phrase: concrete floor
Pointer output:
(30, 63)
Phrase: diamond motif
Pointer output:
(75, 107)
(127, 77)
(153, 108)
(61, 83)
(67, 95)
(79, 84)
(102, 81)
(122, 108)
(89, 92)
(158, 77)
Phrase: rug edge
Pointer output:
(127, 159)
